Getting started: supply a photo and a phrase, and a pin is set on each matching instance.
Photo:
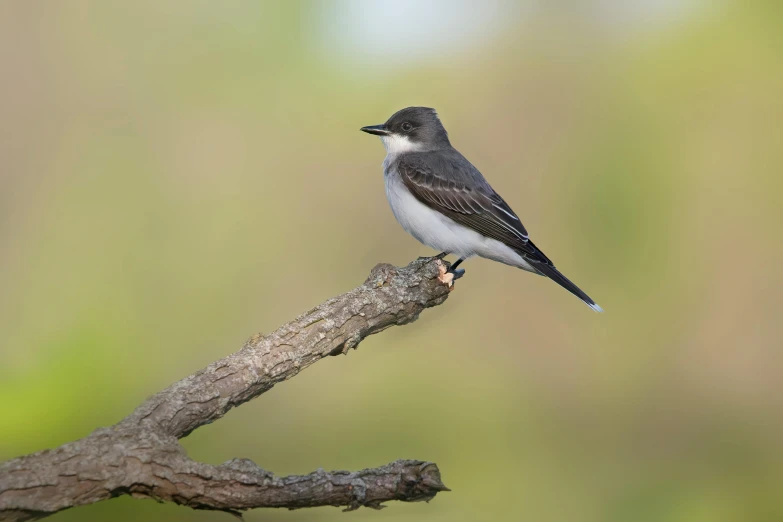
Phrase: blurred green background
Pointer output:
(176, 176)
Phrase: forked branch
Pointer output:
(141, 456)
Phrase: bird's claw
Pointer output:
(457, 273)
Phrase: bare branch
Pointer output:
(140, 455)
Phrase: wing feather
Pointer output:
(466, 198)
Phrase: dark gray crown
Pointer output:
(420, 125)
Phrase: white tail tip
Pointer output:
(595, 307)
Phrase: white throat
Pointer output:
(396, 144)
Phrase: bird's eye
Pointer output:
(407, 127)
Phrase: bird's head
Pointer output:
(411, 130)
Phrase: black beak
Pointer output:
(378, 130)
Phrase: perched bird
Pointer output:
(442, 200)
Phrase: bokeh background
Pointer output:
(176, 176)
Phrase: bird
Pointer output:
(443, 201)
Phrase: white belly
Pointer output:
(440, 232)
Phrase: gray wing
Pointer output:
(454, 187)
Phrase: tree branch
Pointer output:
(140, 455)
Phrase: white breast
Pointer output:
(440, 232)
(430, 227)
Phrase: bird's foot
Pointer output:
(438, 257)
(457, 273)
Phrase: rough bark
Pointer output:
(141, 456)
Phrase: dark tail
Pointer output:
(553, 274)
